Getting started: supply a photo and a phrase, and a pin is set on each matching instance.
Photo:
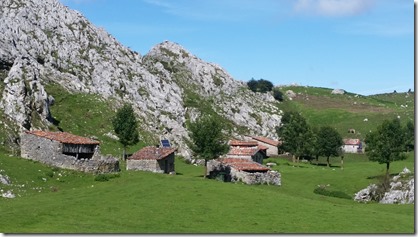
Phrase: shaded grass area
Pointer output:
(143, 202)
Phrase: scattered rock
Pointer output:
(338, 92)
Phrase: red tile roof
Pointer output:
(242, 143)
(266, 140)
(152, 153)
(64, 137)
(243, 151)
(244, 164)
(351, 141)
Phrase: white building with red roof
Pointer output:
(351, 145)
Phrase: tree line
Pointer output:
(386, 144)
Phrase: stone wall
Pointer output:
(272, 150)
(229, 174)
(50, 153)
(144, 165)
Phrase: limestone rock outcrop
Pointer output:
(44, 42)
(401, 191)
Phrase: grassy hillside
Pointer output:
(90, 115)
(60, 201)
(348, 111)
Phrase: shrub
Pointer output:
(49, 173)
(277, 94)
(106, 177)
(101, 178)
(261, 85)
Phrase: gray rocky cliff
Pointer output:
(45, 42)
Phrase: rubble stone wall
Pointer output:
(50, 153)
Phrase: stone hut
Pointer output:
(352, 146)
(242, 170)
(248, 144)
(65, 150)
(272, 145)
(154, 159)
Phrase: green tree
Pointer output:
(386, 144)
(329, 142)
(126, 127)
(296, 134)
(410, 136)
(263, 86)
(252, 84)
(207, 138)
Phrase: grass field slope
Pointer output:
(349, 111)
(51, 200)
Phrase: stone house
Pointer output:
(65, 150)
(154, 159)
(352, 146)
(272, 145)
(242, 170)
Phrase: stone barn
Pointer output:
(154, 159)
(65, 150)
(272, 145)
(352, 146)
(242, 170)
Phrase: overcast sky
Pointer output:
(361, 46)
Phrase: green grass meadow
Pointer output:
(51, 200)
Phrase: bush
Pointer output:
(277, 94)
(261, 85)
(101, 178)
(49, 174)
(106, 177)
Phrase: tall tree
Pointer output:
(329, 142)
(296, 134)
(386, 144)
(409, 136)
(126, 127)
(207, 138)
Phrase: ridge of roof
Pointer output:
(266, 140)
(152, 153)
(64, 137)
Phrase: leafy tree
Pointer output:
(125, 126)
(296, 134)
(261, 85)
(207, 138)
(329, 142)
(264, 86)
(386, 144)
(277, 94)
(410, 136)
(252, 84)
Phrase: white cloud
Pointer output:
(333, 8)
